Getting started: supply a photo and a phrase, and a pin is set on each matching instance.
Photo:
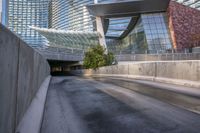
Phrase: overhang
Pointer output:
(71, 39)
(128, 8)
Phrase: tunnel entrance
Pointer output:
(62, 68)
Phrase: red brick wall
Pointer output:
(184, 25)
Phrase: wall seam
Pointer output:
(17, 82)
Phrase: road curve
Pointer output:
(78, 105)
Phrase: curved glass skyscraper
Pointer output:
(70, 15)
(25, 13)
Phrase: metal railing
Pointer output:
(158, 57)
(125, 55)
(172, 51)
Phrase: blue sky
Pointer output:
(3, 2)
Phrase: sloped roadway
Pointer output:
(79, 105)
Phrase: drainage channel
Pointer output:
(187, 101)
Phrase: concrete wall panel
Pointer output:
(185, 70)
(25, 78)
(115, 69)
(9, 51)
(122, 69)
(170, 71)
(143, 69)
(22, 70)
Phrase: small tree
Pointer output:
(110, 58)
(95, 57)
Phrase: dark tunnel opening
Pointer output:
(63, 68)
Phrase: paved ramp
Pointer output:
(77, 105)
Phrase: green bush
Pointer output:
(109, 59)
(95, 57)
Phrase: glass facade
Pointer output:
(151, 34)
(69, 39)
(25, 13)
(135, 42)
(117, 26)
(70, 15)
(157, 32)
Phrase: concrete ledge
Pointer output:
(188, 83)
(32, 119)
(186, 73)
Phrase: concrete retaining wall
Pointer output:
(176, 72)
(159, 57)
(196, 50)
(22, 71)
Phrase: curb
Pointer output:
(186, 83)
(32, 119)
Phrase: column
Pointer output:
(100, 29)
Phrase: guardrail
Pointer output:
(158, 57)
(70, 54)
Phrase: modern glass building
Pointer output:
(70, 15)
(150, 34)
(25, 13)
(127, 32)
(129, 26)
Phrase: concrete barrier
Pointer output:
(196, 50)
(22, 71)
(185, 73)
(32, 119)
(159, 57)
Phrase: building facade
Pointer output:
(184, 23)
(70, 15)
(177, 28)
(150, 34)
(24, 13)
(150, 30)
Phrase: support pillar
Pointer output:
(99, 23)
(100, 29)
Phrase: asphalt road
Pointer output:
(77, 105)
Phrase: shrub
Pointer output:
(95, 57)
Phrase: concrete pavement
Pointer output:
(77, 105)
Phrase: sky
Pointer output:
(0, 5)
